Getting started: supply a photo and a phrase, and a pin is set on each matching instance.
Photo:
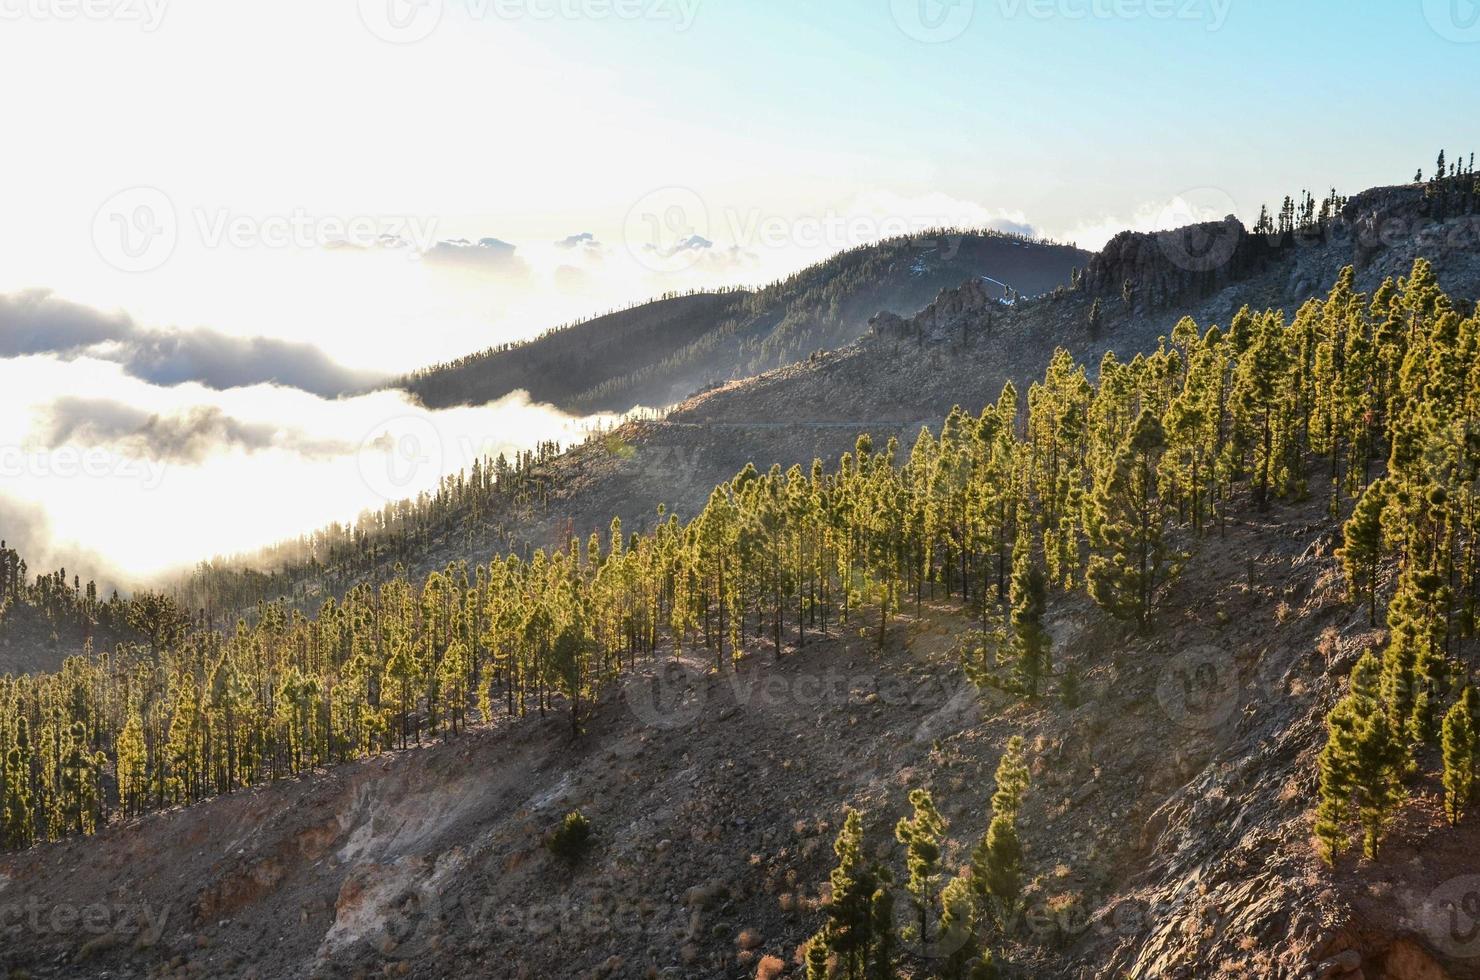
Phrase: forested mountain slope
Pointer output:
(46, 616)
(660, 352)
(961, 347)
(1158, 840)
(904, 372)
(1159, 579)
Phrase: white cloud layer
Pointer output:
(151, 478)
(221, 399)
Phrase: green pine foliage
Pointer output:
(996, 862)
(1130, 560)
(1096, 484)
(1458, 742)
(955, 921)
(920, 834)
(572, 839)
(1030, 644)
(1361, 555)
(857, 941)
(1361, 767)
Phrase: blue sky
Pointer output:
(1062, 117)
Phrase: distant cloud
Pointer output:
(694, 243)
(585, 238)
(1187, 208)
(936, 209)
(35, 321)
(484, 255)
(1013, 227)
(569, 279)
(191, 436)
(220, 361)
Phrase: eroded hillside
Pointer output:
(1166, 828)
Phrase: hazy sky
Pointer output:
(177, 171)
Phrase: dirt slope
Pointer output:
(1166, 828)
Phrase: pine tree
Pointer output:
(1459, 760)
(18, 813)
(1129, 557)
(1361, 553)
(1377, 772)
(1096, 319)
(859, 932)
(881, 966)
(132, 763)
(1361, 765)
(1029, 643)
(956, 938)
(996, 862)
(1338, 755)
(921, 833)
(816, 957)
(1260, 382)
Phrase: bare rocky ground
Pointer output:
(1167, 827)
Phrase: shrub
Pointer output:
(572, 839)
(770, 968)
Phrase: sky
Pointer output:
(224, 221)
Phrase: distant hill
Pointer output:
(661, 352)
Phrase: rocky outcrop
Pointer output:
(958, 314)
(1164, 267)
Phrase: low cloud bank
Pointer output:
(37, 321)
